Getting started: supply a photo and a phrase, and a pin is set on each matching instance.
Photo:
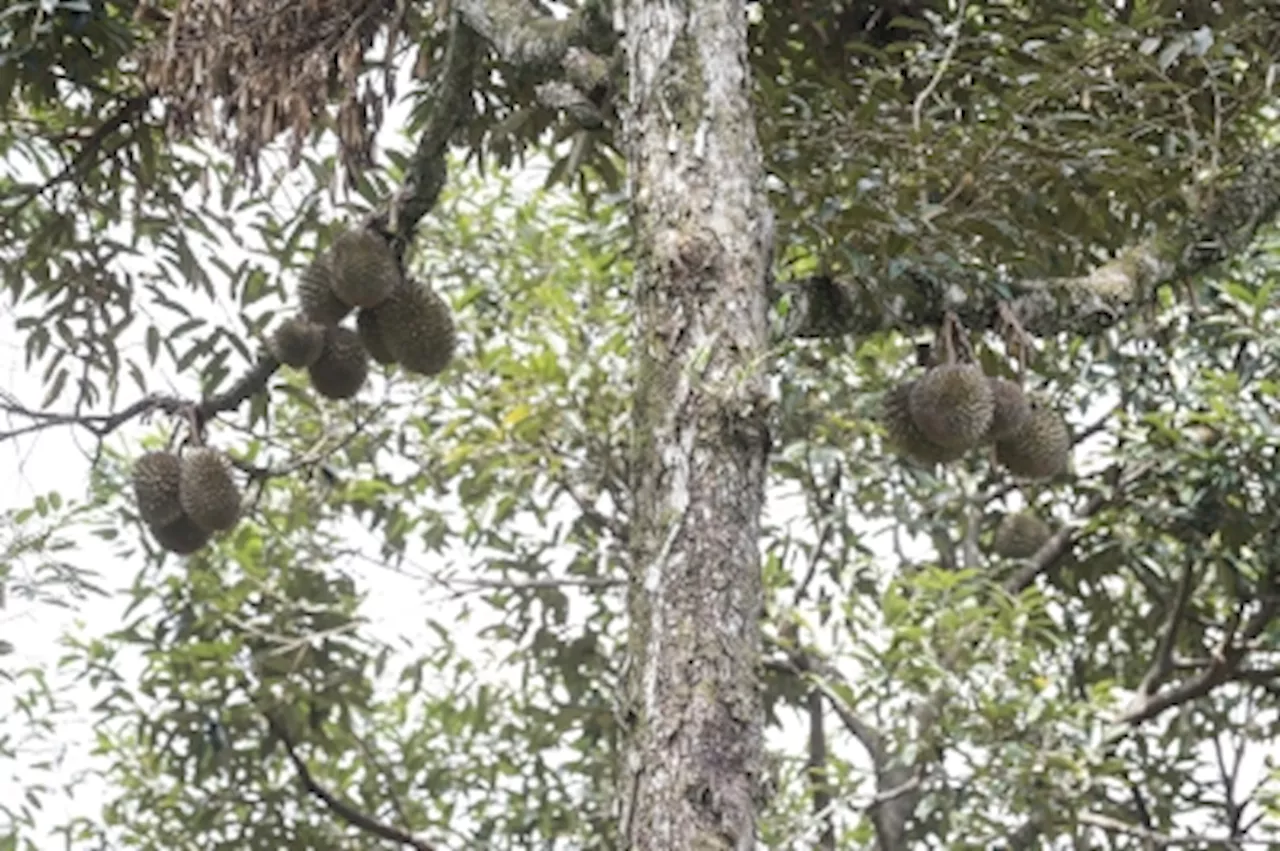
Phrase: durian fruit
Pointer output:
(364, 268)
(952, 405)
(1011, 410)
(1038, 450)
(343, 365)
(181, 536)
(903, 435)
(208, 493)
(371, 336)
(156, 479)
(297, 342)
(316, 294)
(417, 328)
(1020, 535)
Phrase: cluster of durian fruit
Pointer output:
(398, 320)
(184, 499)
(955, 407)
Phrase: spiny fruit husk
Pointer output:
(181, 536)
(417, 328)
(316, 295)
(1040, 449)
(952, 405)
(208, 492)
(364, 268)
(902, 433)
(1011, 412)
(371, 335)
(297, 342)
(1020, 535)
(343, 365)
(156, 481)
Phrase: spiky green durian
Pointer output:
(904, 436)
(417, 328)
(952, 405)
(364, 268)
(1040, 449)
(371, 335)
(181, 536)
(208, 492)
(156, 481)
(316, 294)
(343, 365)
(1011, 410)
(1020, 535)
(297, 342)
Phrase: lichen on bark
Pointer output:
(693, 755)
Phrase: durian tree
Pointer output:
(721, 600)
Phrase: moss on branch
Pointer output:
(523, 37)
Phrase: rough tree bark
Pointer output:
(703, 237)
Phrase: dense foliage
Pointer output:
(416, 636)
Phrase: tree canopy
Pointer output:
(417, 634)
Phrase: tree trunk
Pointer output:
(703, 238)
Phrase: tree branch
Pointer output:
(345, 811)
(523, 37)
(1059, 544)
(428, 166)
(548, 47)
(1225, 665)
(919, 296)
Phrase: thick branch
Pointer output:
(522, 36)
(428, 167)
(825, 307)
(345, 811)
(554, 49)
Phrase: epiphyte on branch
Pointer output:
(343, 365)
(156, 481)
(1041, 448)
(209, 494)
(417, 328)
(364, 268)
(297, 342)
(1011, 410)
(1020, 535)
(952, 405)
(903, 434)
(371, 335)
(316, 294)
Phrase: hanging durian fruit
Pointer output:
(364, 268)
(156, 478)
(1040, 449)
(952, 405)
(417, 328)
(1011, 410)
(181, 536)
(297, 342)
(903, 434)
(342, 367)
(1020, 535)
(316, 294)
(208, 492)
(371, 336)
